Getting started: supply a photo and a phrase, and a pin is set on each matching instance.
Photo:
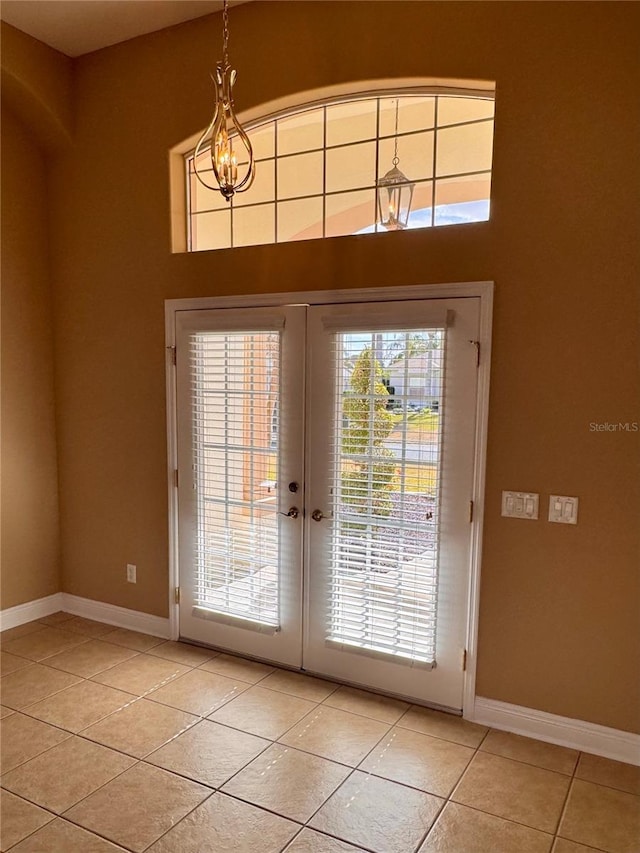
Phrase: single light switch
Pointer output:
(563, 510)
(520, 505)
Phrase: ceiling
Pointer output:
(75, 27)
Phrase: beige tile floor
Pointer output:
(117, 741)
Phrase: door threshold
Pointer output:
(433, 706)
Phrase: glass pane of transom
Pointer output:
(351, 167)
(454, 110)
(421, 207)
(461, 200)
(211, 231)
(254, 225)
(415, 153)
(302, 132)
(263, 186)
(351, 122)
(203, 198)
(262, 141)
(300, 220)
(203, 161)
(300, 175)
(467, 148)
(344, 147)
(349, 213)
(414, 113)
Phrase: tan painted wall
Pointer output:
(29, 559)
(36, 85)
(559, 605)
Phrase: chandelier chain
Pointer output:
(396, 159)
(225, 33)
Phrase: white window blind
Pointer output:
(235, 378)
(383, 559)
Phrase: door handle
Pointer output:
(294, 512)
(317, 515)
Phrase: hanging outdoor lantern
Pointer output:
(224, 129)
(395, 193)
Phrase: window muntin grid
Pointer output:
(316, 168)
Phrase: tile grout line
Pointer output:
(224, 700)
(79, 733)
(33, 832)
(136, 762)
(348, 777)
(64, 815)
(218, 789)
(53, 654)
(565, 802)
(219, 704)
(447, 799)
(230, 697)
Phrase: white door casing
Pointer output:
(284, 645)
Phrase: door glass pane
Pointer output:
(383, 559)
(236, 388)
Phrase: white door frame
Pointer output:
(481, 289)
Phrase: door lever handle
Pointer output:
(317, 515)
(294, 512)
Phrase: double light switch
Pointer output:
(520, 505)
(562, 509)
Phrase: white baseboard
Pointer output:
(564, 731)
(120, 617)
(576, 734)
(11, 617)
(111, 614)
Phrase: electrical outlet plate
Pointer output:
(131, 573)
(520, 505)
(563, 510)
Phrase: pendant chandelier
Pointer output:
(395, 193)
(224, 130)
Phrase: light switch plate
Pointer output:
(520, 505)
(563, 510)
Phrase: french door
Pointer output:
(325, 459)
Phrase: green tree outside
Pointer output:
(367, 483)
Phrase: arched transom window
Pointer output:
(317, 170)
